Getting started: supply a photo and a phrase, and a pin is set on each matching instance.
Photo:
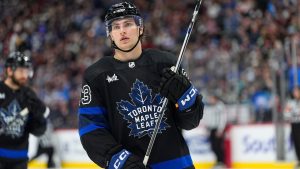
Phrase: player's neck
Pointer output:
(127, 56)
(9, 82)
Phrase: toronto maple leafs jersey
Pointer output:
(119, 105)
(17, 120)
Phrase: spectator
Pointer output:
(262, 103)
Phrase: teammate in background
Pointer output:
(216, 121)
(46, 146)
(122, 95)
(292, 114)
(21, 112)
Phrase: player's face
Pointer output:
(20, 75)
(125, 33)
(296, 93)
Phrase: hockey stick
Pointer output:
(165, 102)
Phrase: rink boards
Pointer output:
(247, 146)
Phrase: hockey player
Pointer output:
(121, 99)
(21, 112)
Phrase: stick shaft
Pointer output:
(165, 101)
(187, 36)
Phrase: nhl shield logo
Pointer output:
(131, 64)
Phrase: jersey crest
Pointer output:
(13, 120)
(142, 111)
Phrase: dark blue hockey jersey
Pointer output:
(119, 105)
(21, 113)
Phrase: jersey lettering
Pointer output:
(143, 111)
(13, 120)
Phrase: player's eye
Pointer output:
(128, 24)
(115, 27)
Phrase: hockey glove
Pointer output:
(36, 106)
(126, 160)
(178, 89)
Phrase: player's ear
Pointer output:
(9, 71)
(141, 30)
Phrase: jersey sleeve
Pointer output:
(94, 128)
(39, 113)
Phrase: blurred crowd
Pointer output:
(235, 49)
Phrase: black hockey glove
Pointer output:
(126, 160)
(135, 162)
(178, 89)
(36, 106)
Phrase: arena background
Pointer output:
(246, 52)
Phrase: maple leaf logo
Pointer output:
(142, 113)
(11, 121)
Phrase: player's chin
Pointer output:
(22, 82)
(125, 46)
